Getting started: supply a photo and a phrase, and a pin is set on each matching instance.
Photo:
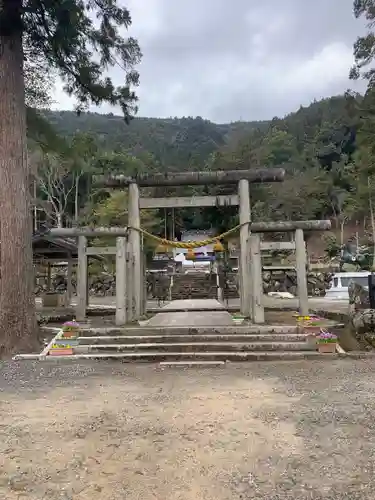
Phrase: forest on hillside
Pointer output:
(326, 148)
(319, 146)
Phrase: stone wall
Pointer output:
(200, 285)
(286, 281)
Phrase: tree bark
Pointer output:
(76, 200)
(59, 219)
(372, 215)
(342, 225)
(18, 330)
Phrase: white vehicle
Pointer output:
(338, 287)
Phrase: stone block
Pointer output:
(54, 300)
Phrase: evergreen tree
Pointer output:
(80, 40)
(364, 47)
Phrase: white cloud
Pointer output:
(236, 61)
(322, 71)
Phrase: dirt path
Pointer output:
(113, 432)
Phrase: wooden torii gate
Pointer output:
(130, 294)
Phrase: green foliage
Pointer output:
(316, 145)
(38, 87)
(42, 134)
(38, 80)
(327, 148)
(80, 40)
(332, 246)
(364, 47)
(81, 49)
(173, 142)
(63, 39)
(113, 211)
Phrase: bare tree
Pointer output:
(55, 185)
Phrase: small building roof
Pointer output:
(48, 247)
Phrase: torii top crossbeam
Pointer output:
(256, 227)
(192, 178)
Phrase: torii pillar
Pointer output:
(244, 259)
(134, 222)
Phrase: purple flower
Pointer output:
(326, 336)
(73, 324)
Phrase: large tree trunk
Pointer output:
(18, 330)
(372, 216)
(373, 233)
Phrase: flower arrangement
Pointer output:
(66, 340)
(302, 318)
(325, 337)
(310, 324)
(310, 320)
(326, 342)
(70, 329)
(317, 321)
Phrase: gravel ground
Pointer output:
(301, 430)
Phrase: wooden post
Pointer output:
(69, 284)
(129, 282)
(143, 285)
(219, 297)
(244, 268)
(145, 298)
(82, 279)
(256, 279)
(49, 277)
(121, 281)
(301, 262)
(170, 290)
(135, 241)
(87, 282)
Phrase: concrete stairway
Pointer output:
(200, 286)
(194, 344)
(194, 286)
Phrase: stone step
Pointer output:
(191, 364)
(176, 339)
(157, 357)
(194, 288)
(200, 294)
(189, 330)
(214, 347)
(203, 295)
(195, 285)
(189, 286)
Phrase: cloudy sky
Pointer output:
(239, 60)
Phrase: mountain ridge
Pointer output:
(190, 141)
